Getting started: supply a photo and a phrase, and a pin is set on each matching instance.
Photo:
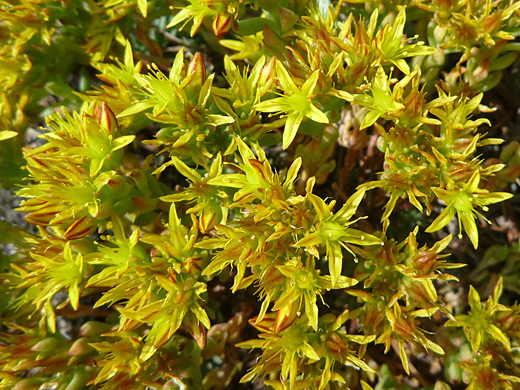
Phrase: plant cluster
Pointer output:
(224, 205)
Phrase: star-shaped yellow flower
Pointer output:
(296, 102)
(462, 202)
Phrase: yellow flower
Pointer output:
(297, 103)
(462, 202)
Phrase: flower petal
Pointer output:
(291, 128)
(315, 114)
(442, 220)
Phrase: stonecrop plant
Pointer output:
(260, 194)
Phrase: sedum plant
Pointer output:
(285, 202)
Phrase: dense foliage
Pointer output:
(239, 194)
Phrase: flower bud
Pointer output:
(492, 22)
(45, 345)
(196, 72)
(480, 73)
(106, 118)
(439, 34)
(116, 184)
(510, 151)
(78, 381)
(144, 205)
(509, 174)
(209, 216)
(197, 330)
(45, 214)
(266, 77)
(80, 347)
(222, 24)
(287, 19)
(80, 228)
(93, 328)
(28, 384)
(101, 211)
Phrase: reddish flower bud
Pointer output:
(102, 210)
(222, 24)
(116, 184)
(80, 228)
(27, 384)
(93, 328)
(208, 217)
(285, 317)
(80, 347)
(266, 76)
(106, 118)
(196, 72)
(144, 205)
(45, 345)
(511, 152)
(271, 39)
(193, 265)
(44, 214)
(509, 174)
(287, 18)
(197, 330)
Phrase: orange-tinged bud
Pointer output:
(287, 18)
(510, 151)
(193, 265)
(28, 384)
(45, 345)
(80, 228)
(116, 184)
(106, 118)
(45, 214)
(425, 260)
(285, 317)
(196, 72)
(208, 217)
(144, 205)
(102, 210)
(460, 172)
(266, 324)
(197, 330)
(222, 23)
(509, 174)
(335, 344)
(492, 22)
(481, 72)
(271, 39)
(80, 347)
(93, 328)
(267, 75)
